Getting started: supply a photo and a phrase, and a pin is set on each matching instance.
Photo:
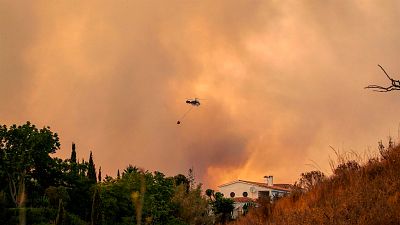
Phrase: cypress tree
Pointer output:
(118, 176)
(99, 177)
(74, 165)
(73, 153)
(92, 169)
(82, 168)
(96, 215)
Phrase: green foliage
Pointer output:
(191, 207)
(34, 216)
(25, 156)
(73, 154)
(71, 219)
(116, 201)
(73, 164)
(124, 196)
(222, 207)
(80, 193)
(130, 170)
(92, 169)
(99, 176)
(210, 193)
(55, 194)
(152, 198)
(3, 206)
(108, 179)
(41, 202)
(247, 206)
(180, 179)
(60, 213)
(157, 200)
(40, 216)
(96, 214)
(66, 192)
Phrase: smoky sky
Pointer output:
(281, 81)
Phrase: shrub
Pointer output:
(354, 194)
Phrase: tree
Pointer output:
(80, 182)
(55, 194)
(83, 168)
(91, 169)
(73, 165)
(191, 207)
(108, 179)
(310, 179)
(222, 207)
(3, 165)
(60, 214)
(116, 199)
(73, 154)
(395, 86)
(210, 193)
(130, 169)
(25, 153)
(96, 215)
(138, 197)
(180, 179)
(99, 178)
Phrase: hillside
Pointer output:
(354, 194)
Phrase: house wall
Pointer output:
(239, 187)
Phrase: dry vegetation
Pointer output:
(354, 194)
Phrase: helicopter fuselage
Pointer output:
(193, 102)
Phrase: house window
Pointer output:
(232, 194)
(245, 194)
(263, 194)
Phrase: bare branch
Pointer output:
(394, 87)
(385, 72)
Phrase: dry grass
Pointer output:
(354, 194)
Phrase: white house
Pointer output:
(243, 191)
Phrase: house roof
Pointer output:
(279, 187)
(287, 186)
(243, 199)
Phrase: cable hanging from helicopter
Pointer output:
(194, 102)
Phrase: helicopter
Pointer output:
(192, 102)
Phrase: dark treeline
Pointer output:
(36, 188)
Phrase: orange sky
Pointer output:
(283, 81)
